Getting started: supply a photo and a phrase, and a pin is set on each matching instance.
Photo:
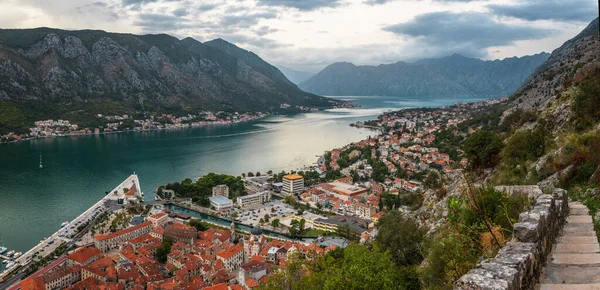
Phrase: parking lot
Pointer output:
(276, 209)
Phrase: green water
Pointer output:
(78, 170)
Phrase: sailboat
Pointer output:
(41, 166)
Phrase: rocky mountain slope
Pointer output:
(550, 90)
(449, 76)
(143, 72)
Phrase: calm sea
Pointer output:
(78, 170)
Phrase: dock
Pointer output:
(132, 184)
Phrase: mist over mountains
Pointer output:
(453, 75)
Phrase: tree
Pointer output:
(296, 227)
(355, 267)
(266, 218)
(250, 174)
(258, 173)
(198, 224)
(275, 223)
(483, 149)
(164, 249)
(270, 172)
(433, 180)
(401, 237)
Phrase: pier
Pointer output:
(116, 196)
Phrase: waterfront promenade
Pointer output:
(128, 190)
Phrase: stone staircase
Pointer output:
(574, 262)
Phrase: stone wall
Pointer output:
(519, 263)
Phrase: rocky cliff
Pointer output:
(450, 76)
(143, 72)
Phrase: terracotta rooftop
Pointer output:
(222, 286)
(122, 232)
(36, 283)
(83, 254)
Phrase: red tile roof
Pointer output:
(36, 283)
(251, 283)
(83, 254)
(229, 252)
(222, 286)
(122, 232)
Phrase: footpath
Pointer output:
(574, 262)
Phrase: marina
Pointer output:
(127, 191)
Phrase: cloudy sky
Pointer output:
(310, 34)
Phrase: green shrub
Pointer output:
(483, 149)
(586, 104)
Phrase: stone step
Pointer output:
(579, 219)
(577, 248)
(575, 259)
(579, 230)
(570, 275)
(579, 211)
(568, 287)
(578, 240)
(576, 205)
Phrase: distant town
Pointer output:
(226, 232)
(127, 122)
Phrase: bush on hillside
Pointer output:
(483, 149)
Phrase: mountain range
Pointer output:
(454, 75)
(143, 72)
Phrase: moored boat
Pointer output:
(3, 249)
(10, 253)
(64, 224)
(17, 254)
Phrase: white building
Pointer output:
(220, 202)
(252, 199)
(293, 184)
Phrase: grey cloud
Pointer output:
(180, 12)
(468, 33)
(207, 7)
(573, 10)
(246, 20)
(305, 5)
(260, 42)
(137, 2)
(264, 30)
(151, 22)
(377, 2)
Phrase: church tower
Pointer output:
(232, 229)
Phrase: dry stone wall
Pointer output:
(519, 263)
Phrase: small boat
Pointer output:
(64, 224)
(17, 254)
(10, 264)
(10, 253)
(3, 249)
(4, 261)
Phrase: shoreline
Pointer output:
(189, 126)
